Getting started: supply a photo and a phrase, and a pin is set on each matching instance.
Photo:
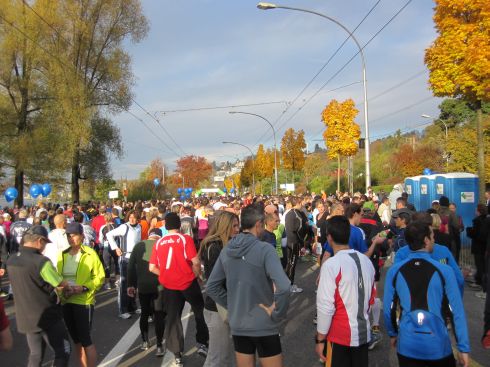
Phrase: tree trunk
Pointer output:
(19, 185)
(481, 152)
(338, 172)
(75, 176)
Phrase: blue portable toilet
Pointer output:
(412, 186)
(427, 192)
(441, 187)
(462, 189)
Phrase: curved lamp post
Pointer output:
(275, 143)
(267, 6)
(253, 162)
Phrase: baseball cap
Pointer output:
(38, 230)
(155, 232)
(74, 228)
(397, 213)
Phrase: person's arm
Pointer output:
(101, 234)
(325, 305)
(275, 272)
(196, 266)
(389, 304)
(457, 271)
(215, 287)
(111, 238)
(456, 304)
(49, 274)
(153, 263)
(98, 274)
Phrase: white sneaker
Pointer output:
(295, 289)
(125, 316)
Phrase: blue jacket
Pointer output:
(357, 241)
(419, 288)
(440, 254)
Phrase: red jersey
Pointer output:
(172, 254)
(97, 223)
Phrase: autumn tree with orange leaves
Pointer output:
(193, 169)
(292, 145)
(342, 133)
(459, 62)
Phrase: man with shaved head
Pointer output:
(58, 235)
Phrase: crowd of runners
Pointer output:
(243, 252)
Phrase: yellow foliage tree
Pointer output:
(342, 133)
(292, 145)
(458, 59)
(263, 165)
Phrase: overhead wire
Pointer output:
(319, 71)
(346, 64)
(223, 107)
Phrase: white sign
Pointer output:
(423, 189)
(409, 189)
(219, 178)
(467, 197)
(440, 189)
(113, 194)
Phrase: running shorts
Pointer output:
(265, 346)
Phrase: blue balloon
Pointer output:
(46, 188)
(182, 197)
(11, 193)
(224, 190)
(427, 171)
(232, 190)
(156, 182)
(179, 190)
(35, 190)
(189, 189)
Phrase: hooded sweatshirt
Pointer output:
(243, 278)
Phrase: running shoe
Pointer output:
(161, 350)
(375, 339)
(4, 295)
(178, 360)
(150, 319)
(202, 350)
(125, 316)
(145, 345)
(315, 320)
(107, 286)
(295, 289)
(137, 311)
(481, 295)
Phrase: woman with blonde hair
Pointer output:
(226, 226)
(440, 237)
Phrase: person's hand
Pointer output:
(393, 341)
(268, 309)
(463, 359)
(319, 350)
(68, 291)
(2, 272)
(118, 252)
(131, 291)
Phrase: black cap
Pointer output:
(155, 232)
(39, 231)
(444, 201)
(74, 228)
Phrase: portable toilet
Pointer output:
(427, 192)
(412, 186)
(441, 187)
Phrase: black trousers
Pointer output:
(57, 339)
(448, 361)
(124, 302)
(293, 254)
(148, 307)
(343, 356)
(174, 301)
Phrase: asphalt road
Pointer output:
(117, 341)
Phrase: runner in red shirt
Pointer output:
(175, 261)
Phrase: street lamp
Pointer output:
(253, 162)
(275, 145)
(430, 117)
(267, 6)
(425, 116)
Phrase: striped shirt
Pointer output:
(345, 293)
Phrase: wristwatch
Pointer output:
(317, 341)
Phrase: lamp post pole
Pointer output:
(445, 128)
(267, 6)
(275, 142)
(253, 161)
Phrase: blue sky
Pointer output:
(213, 53)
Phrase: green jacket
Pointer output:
(90, 274)
(278, 232)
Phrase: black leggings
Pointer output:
(147, 302)
(57, 339)
(448, 361)
(293, 254)
(109, 256)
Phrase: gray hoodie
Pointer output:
(243, 278)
